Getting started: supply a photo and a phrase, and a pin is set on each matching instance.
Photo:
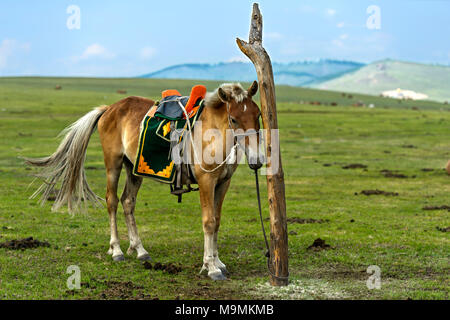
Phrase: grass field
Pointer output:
(409, 244)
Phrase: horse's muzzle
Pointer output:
(255, 162)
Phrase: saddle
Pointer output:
(169, 106)
(166, 117)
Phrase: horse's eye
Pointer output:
(234, 121)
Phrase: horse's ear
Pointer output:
(223, 95)
(253, 89)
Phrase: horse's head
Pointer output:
(243, 118)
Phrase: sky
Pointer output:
(117, 38)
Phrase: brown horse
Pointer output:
(228, 107)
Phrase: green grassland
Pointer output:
(392, 232)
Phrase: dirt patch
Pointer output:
(123, 290)
(426, 169)
(52, 195)
(409, 146)
(307, 220)
(206, 290)
(303, 221)
(443, 229)
(443, 207)
(318, 245)
(169, 267)
(354, 166)
(392, 174)
(378, 192)
(23, 244)
(115, 290)
(327, 164)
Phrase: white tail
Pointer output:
(66, 165)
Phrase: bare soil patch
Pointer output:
(378, 192)
(23, 244)
(443, 207)
(303, 220)
(443, 229)
(319, 245)
(169, 267)
(307, 220)
(354, 166)
(123, 290)
(392, 174)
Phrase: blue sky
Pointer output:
(129, 38)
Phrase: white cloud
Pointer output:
(241, 58)
(305, 9)
(96, 51)
(291, 48)
(273, 36)
(340, 25)
(337, 43)
(147, 53)
(343, 36)
(8, 47)
(330, 12)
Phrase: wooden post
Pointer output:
(275, 180)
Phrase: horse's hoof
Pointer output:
(224, 271)
(145, 257)
(217, 276)
(119, 258)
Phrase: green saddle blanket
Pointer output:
(154, 158)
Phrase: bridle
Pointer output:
(232, 155)
(238, 136)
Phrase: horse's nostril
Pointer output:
(255, 166)
(254, 163)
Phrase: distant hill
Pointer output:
(374, 78)
(305, 73)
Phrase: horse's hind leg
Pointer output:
(128, 200)
(113, 167)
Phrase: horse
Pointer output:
(230, 107)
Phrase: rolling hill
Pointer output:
(374, 78)
(304, 73)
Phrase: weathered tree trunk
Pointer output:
(275, 178)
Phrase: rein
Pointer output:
(264, 231)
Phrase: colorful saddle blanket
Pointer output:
(154, 153)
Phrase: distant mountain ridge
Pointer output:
(379, 76)
(306, 73)
(335, 75)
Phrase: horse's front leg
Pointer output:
(219, 196)
(207, 187)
